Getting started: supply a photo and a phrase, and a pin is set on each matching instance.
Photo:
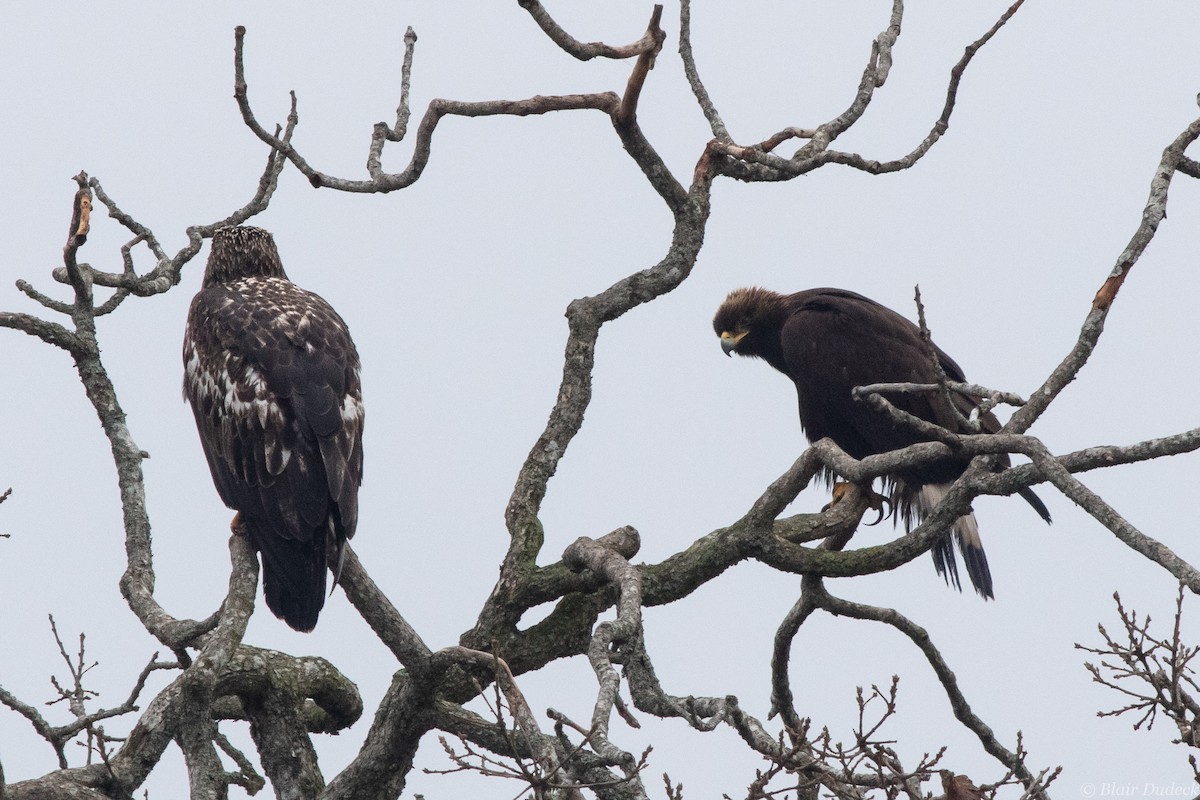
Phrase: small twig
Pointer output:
(123, 292)
(958, 702)
(931, 355)
(562, 719)
(523, 717)
(969, 390)
(625, 713)
(76, 696)
(4, 496)
(44, 300)
(1159, 668)
(773, 141)
(956, 73)
(246, 776)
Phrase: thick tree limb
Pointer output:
(387, 623)
(286, 699)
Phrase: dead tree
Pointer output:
(285, 699)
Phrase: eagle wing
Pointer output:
(835, 340)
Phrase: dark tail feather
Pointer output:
(945, 562)
(1036, 502)
(965, 533)
(293, 578)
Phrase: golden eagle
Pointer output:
(273, 380)
(829, 341)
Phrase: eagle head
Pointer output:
(242, 251)
(747, 319)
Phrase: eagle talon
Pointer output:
(882, 505)
(839, 491)
(875, 501)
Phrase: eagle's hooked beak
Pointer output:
(729, 341)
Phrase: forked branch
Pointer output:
(758, 163)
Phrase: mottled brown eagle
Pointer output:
(829, 341)
(273, 380)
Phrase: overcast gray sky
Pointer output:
(455, 288)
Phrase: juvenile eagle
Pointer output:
(273, 380)
(830, 340)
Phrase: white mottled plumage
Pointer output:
(274, 382)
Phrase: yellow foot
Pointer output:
(875, 501)
(237, 525)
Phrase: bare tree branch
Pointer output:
(286, 699)
(958, 701)
(391, 628)
(382, 131)
(1093, 325)
(720, 133)
(758, 163)
(586, 52)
